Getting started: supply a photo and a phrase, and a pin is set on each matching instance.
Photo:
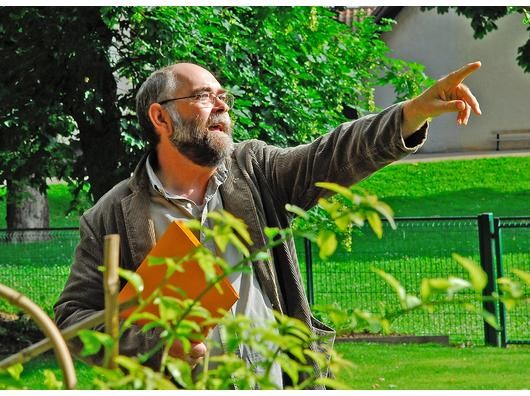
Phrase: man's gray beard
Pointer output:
(198, 144)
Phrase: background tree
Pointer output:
(59, 116)
(73, 73)
(483, 21)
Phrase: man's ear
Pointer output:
(160, 119)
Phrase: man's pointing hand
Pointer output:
(448, 94)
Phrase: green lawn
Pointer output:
(33, 373)
(455, 187)
(385, 367)
(428, 366)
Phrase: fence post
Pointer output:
(309, 271)
(498, 255)
(487, 260)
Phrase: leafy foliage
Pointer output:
(284, 341)
(69, 87)
(339, 216)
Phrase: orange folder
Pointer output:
(176, 242)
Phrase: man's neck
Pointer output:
(180, 176)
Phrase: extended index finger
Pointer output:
(460, 75)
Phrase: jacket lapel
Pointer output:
(138, 225)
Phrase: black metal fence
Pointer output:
(422, 248)
(512, 248)
(37, 263)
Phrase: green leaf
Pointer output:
(479, 278)
(51, 381)
(412, 301)
(394, 283)
(510, 288)
(456, 284)
(523, 275)
(238, 225)
(290, 367)
(170, 308)
(344, 191)
(143, 316)
(240, 247)
(333, 208)
(133, 278)
(15, 370)
(375, 222)
(432, 286)
(221, 238)
(490, 319)
(154, 261)
(343, 222)
(261, 256)
(386, 211)
(297, 211)
(327, 243)
(93, 341)
(271, 232)
(127, 362)
(181, 372)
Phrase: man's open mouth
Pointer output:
(217, 127)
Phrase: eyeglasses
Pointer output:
(206, 98)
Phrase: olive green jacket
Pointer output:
(262, 180)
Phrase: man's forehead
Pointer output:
(195, 78)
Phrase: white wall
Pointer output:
(445, 42)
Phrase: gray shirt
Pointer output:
(253, 303)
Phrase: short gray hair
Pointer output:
(158, 86)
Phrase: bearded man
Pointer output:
(194, 168)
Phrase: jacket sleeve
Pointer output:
(345, 156)
(83, 295)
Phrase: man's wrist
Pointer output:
(413, 119)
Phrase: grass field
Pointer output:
(388, 367)
(434, 367)
(452, 188)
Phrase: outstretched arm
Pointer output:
(447, 95)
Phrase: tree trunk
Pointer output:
(26, 208)
(97, 116)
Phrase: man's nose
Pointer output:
(219, 106)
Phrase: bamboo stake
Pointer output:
(111, 284)
(47, 327)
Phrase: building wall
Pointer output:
(445, 42)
